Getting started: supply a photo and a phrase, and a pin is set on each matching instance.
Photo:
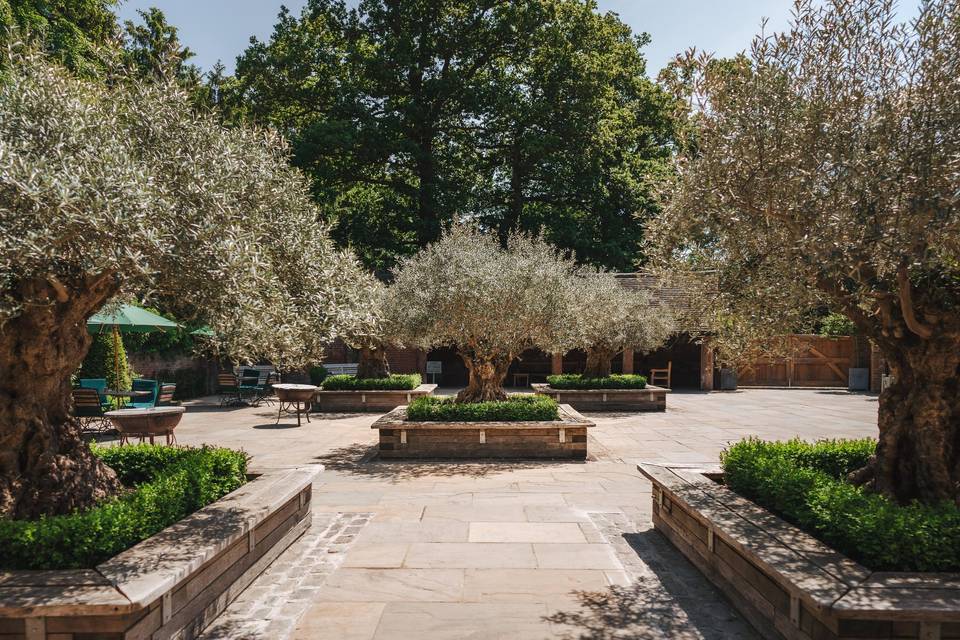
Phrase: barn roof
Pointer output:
(684, 295)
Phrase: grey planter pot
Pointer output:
(728, 380)
(858, 379)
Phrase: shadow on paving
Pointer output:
(360, 459)
(672, 601)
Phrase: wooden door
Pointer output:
(818, 362)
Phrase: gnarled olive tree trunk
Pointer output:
(918, 453)
(373, 363)
(486, 378)
(599, 362)
(45, 467)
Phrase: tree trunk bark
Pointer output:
(599, 363)
(373, 363)
(45, 466)
(918, 453)
(486, 379)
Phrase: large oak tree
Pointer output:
(825, 169)
(126, 191)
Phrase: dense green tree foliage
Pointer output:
(71, 30)
(153, 48)
(523, 115)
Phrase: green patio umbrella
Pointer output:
(204, 332)
(126, 318)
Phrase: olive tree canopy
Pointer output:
(606, 318)
(825, 169)
(490, 303)
(126, 191)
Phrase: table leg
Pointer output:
(306, 410)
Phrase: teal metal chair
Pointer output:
(99, 385)
(251, 386)
(145, 402)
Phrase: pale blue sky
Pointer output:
(221, 29)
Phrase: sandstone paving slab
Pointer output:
(469, 555)
(459, 621)
(529, 585)
(554, 513)
(525, 532)
(393, 585)
(422, 530)
(576, 556)
(377, 555)
(476, 513)
(340, 621)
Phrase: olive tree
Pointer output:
(606, 318)
(826, 170)
(490, 303)
(371, 330)
(125, 191)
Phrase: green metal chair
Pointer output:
(145, 402)
(250, 385)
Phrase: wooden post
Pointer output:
(627, 361)
(706, 365)
(556, 364)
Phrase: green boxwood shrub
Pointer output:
(396, 382)
(615, 381)
(165, 484)
(515, 409)
(806, 485)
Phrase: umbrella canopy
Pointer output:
(127, 318)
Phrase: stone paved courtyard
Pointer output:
(500, 550)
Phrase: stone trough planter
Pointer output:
(171, 585)
(649, 398)
(561, 439)
(357, 401)
(787, 583)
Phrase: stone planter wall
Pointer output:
(649, 398)
(562, 439)
(171, 585)
(787, 583)
(354, 401)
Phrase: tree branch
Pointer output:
(906, 305)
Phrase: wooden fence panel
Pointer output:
(818, 362)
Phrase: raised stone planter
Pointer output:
(353, 401)
(563, 439)
(171, 585)
(787, 583)
(649, 398)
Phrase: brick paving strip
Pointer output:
(270, 607)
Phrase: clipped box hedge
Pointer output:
(515, 409)
(396, 382)
(806, 485)
(615, 381)
(165, 484)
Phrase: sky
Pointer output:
(221, 29)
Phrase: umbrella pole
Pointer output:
(116, 358)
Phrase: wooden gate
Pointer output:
(818, 362)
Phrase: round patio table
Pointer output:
(125, 396)
(146, 423)
(298, 396)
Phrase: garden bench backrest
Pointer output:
(165, 397)
(86, 403)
